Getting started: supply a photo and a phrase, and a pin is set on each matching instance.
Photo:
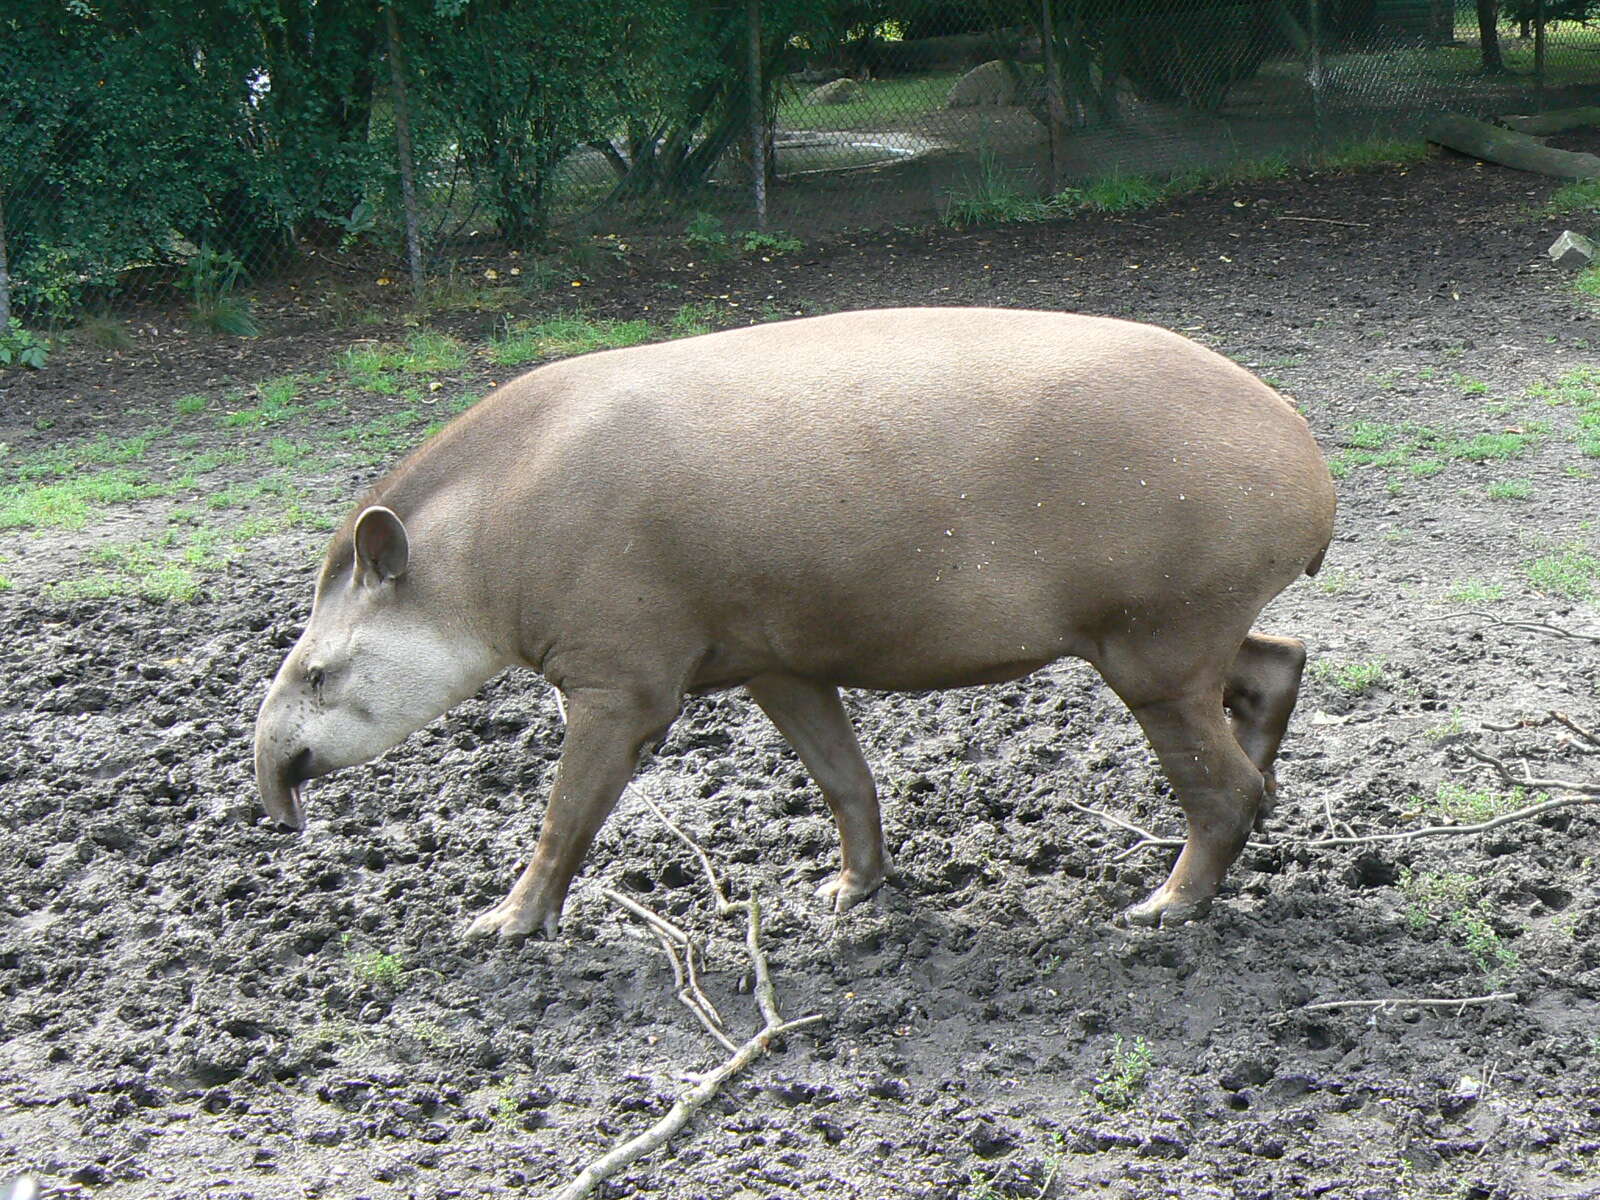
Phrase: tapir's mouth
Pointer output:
(283, 788)
(294, 815)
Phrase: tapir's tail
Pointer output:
(1315, 564)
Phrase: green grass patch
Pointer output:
(1130, 1068)
(376, 967)
(169, 582)
(277, 405)
(241, 495)
(1354, 678)
(73, 457)
(563, 336)
(1581, 197)
(1580, 387)
(1374, 152)
(1420, 449)
(691, 320)
(1452, 901)
(1116, 193)
(997, 195)
(1475, 593)
(1473, 806)
(1587, 282)
(190, 405)
(1572, 572)
(1510, 489)
(383, 369)
(877, 101)
(68, 504)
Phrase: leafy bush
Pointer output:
(20, 348)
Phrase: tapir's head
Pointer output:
(389, 647)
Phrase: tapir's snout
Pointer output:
(279, 778)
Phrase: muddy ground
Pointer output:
(196, 1004)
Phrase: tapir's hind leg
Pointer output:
(1260, 696)
(1178, 704)
(812, 718)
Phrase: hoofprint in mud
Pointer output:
(896, 500)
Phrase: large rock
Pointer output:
(993, 83)
(1573, 251)
(840, 91)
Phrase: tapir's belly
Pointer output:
(891, 591)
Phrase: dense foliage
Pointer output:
(147, 132)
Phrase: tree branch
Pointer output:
(1393, 1002)
(773, 1026)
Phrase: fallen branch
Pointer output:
(1394, 1002)
(773, 1025)
(1529, 626)
(1328, 221)
(1147, 840)
(1585, 791)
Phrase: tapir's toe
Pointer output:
(508, 920)
(1269, 799)
(845, 890)
(1163, 908)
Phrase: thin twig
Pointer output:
(1394, 1002)
(1147, 840)
(680, 1114)
(1527, 780)
(1529, 626)
(773, 1025)
(673, 939)
(1588, 735)
(1328, 221)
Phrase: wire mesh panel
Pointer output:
(174, 150)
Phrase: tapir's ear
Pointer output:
(381, 544)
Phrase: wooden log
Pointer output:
(1554, 122)
(1510, 149)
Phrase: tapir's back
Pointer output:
(865, 495)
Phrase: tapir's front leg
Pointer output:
(606, 730)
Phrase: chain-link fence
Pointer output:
(146, 155)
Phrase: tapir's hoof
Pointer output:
(844, 891)
(1163, 909)
(508, 920)
(1269, 799)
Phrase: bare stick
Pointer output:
(1527, 780)
(1329, 221)
(1587, 794)
(773, 1025)
(679, 1115)
(1394, 1002)
(1531, 626)
(684, 977)
(1588, 735)
(1147, 840)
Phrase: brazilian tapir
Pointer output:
(893, 499)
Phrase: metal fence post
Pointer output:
(1538, 50)
(5, 273)
(402, 137)
(758, 120)
(1314, 71)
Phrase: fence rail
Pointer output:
(144, 152)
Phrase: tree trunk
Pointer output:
(1511, 149)
(402, 134)
(1489, 37)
